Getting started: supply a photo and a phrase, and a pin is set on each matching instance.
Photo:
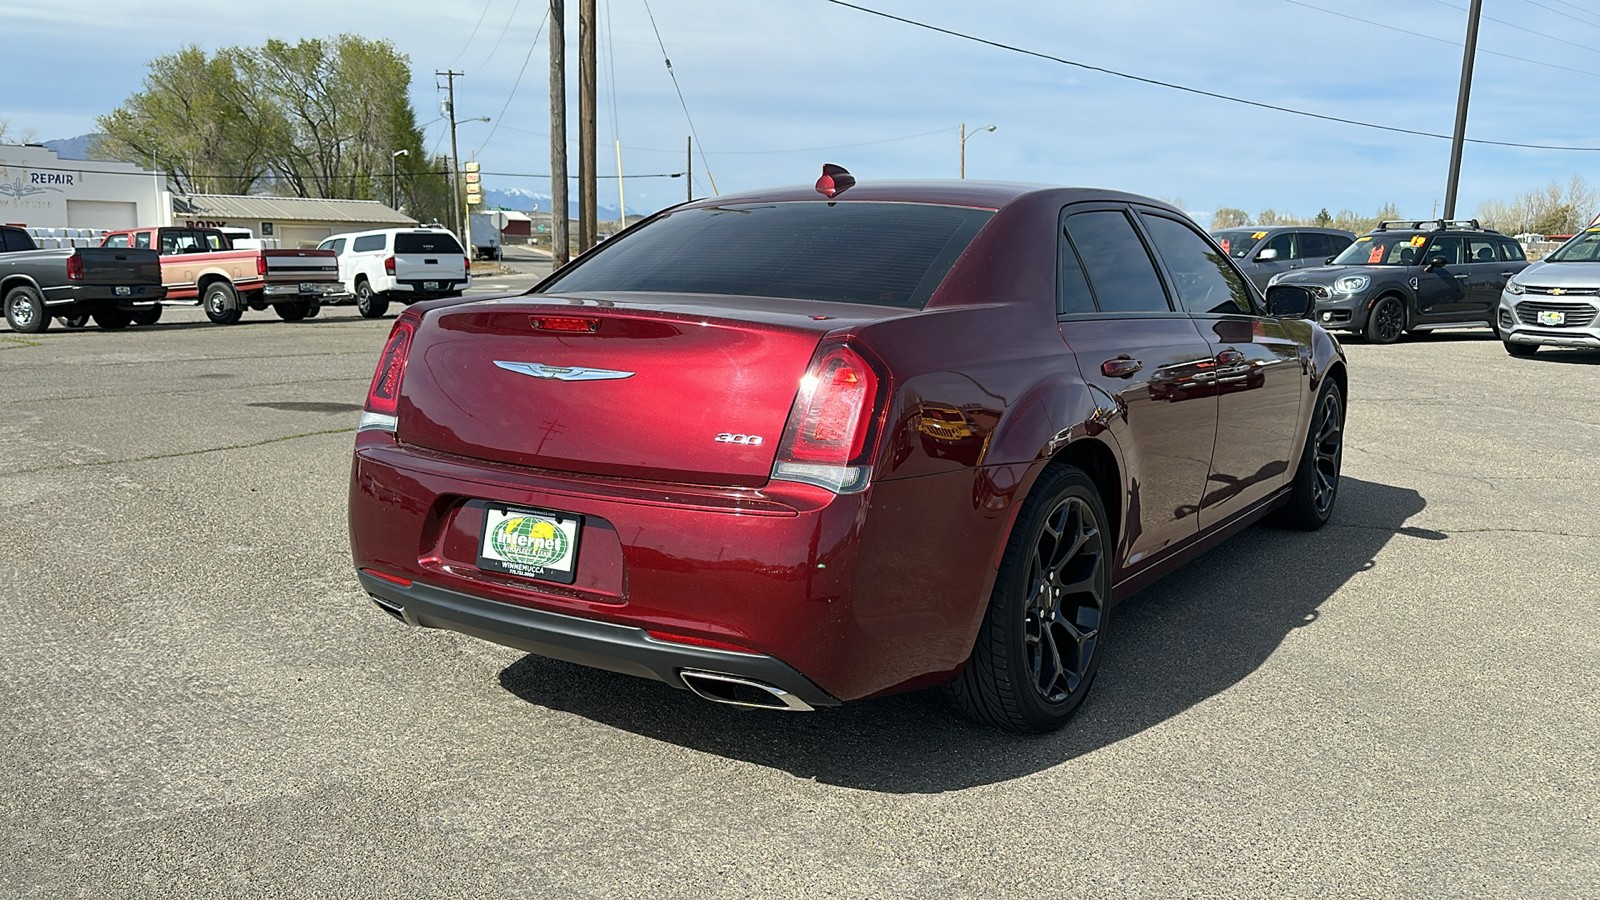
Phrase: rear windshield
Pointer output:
(431, 242)
(885, 254)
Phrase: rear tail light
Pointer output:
(261, 264)
(383, 397)
(468, 261)
(388, 266)
(828, 441)
(75, 267)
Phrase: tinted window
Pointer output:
(1337, 243)
(337, 246)
(1237, 242)
(15, 240)
(370, 242)
(1072, 286)
(889, 254)
(1283, 243)
(141, 240)
(1314, 246)
(431, 242)
(1202, 277)
(1482, 250)
(1448, 246)
(1117, 263)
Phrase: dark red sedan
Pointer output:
(797, 447)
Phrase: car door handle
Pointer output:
(1121, 367)
(1461, 278)
(1507, 274)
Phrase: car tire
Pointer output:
(221, 303)
(313, 308)
(112, 319)
(1386, 321)
(1038, 647)
(148, 316)
(1520, 351)
(76, 320)
(368, 303)
(25, 311)
(293, 311)
(1316, 480)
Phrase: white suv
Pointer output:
(404, 264)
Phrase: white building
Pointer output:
(40, 190)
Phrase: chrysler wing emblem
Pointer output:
(561, 373)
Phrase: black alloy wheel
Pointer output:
(147, 316)
(1038, 648)
(25, 311)
(1386, 322)
(1316, 480)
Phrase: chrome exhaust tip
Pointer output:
(392, 608)
(735, 690)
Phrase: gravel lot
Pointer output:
(199, 700)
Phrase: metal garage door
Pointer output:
(104, 214)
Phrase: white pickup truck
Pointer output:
(404, 264)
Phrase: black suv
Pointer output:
(1413, 275)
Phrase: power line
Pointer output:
(1445, 41)
(411, 174)
(532, 45)
(1570, 6)
(486, 5)
(503, 29)
(1567, 14)
(1548, 37)
(681, 102)
(1198, 91)
(904, 137)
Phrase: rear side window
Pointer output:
(431, 242)
(117, 240)
(1284, 244)
(142, 240)
(1511, 251)
(1482, 250)
(886, 254)
(1314, 246)
(1072, 286)
(1119, 267)
(1447, 246)
(370, 242)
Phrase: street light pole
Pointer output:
(964, 136)
(394, 178)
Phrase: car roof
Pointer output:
(1323, 229)
(946, 192)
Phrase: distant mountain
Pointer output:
(531, 201)
(73, 147)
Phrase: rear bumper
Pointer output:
(600, 645)
(95, 293)
(855, 595)
(413, 290)
(308, 290)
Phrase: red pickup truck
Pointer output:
(200, 267)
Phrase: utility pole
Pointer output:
(1460, 137)
(588, 226)
(560, 246)
(455, 158)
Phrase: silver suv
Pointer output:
(1263, 252)
(1555, 301)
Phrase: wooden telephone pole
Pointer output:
(588, 225)
(560, 250)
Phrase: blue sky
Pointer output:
(777, 87)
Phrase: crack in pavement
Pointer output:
(182, 453)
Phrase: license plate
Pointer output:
(309, 287)
(430, 285)
(530, 542)
(124, 291)
(1552, 317)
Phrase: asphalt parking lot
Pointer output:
(200, 701)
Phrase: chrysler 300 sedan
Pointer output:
(798, 447)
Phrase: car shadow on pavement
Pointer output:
(1176, 644)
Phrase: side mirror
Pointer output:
(1437, 262)
(1267, 255)
(1329, 260)
(1288, 301)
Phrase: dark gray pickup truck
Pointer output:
(113, 287)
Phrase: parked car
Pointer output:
(114, 287)
(404, 264)
(200, 267)
(1554, 302)
(1413, 276)
(1262, 252)
(797, 447)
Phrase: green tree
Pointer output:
(1229, 217)
(315, 118)
(1323, 219)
